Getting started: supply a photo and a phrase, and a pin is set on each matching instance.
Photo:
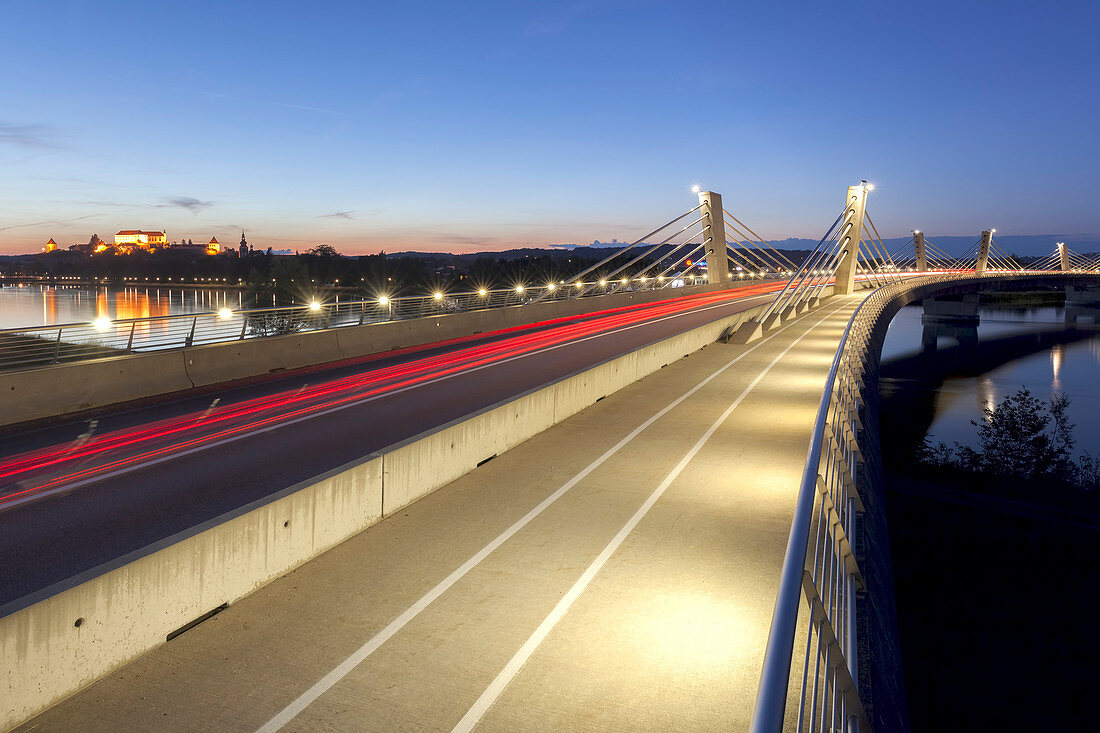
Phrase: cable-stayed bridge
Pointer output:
(517, 508)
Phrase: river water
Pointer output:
(42, 305)
(1065, 368)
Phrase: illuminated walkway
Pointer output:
(615, 572)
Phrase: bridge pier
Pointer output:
(956, 319)
(1082, 303)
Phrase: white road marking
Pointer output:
(344, 668)
(474, 715)
(284, 423)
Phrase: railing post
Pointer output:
(922, 255)
(851, 232)
(983, 251)
(57, 348)
(714, 228)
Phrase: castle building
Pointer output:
(214, 247)
(129, 239)
(50, 245)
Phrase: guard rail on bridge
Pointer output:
(53, 344)
(821, 577)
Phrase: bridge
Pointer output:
(583, 504)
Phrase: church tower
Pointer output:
(244, 246)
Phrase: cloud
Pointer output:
(38, 137)
(186, 202)
(43, 223)
(338, 215)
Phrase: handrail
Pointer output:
(771, 702)
(29, 346)
(819, 564)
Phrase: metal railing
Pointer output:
(820, 574)
(43, 345)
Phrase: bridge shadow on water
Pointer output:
(994, 584)
(909, 386)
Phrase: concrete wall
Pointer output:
(62, 389)
(64, 643)
(129, 609)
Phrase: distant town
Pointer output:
(128, 241)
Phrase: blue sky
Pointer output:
(483, 125)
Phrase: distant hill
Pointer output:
(1025, 245)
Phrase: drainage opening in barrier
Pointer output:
(192, 624)
(485, 460)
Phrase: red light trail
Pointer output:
(58, 466)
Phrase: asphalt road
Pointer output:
(79, 494)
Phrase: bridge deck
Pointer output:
(617, 606)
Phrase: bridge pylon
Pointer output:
(922, 254)
(850, 233)
(983, 251)
(1063, 256)
(714, 224)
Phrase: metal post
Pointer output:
(57, 347)
(1063, 256)
(130, 342)
(850, 233)
(191, 336)
(922, 255)
(715, 238)
(983, 251)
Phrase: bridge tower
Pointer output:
(851, 232)
(714, 224)
(983, 251)
(922, 255)
(1063, 256)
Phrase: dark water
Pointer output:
(995, 584)
(1071, 368)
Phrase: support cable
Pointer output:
(601, 263)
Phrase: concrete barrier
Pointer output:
(217, 363)
(70, 388)
(64, 643)
(69, 636)
(63, 388)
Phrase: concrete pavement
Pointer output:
(635, 595)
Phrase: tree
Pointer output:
(323, 250)
(1024, 437)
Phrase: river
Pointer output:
(43, 305)
(1069, 368)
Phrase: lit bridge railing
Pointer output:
(42, 345)
(820, 575)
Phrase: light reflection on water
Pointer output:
(41, 305)
(1069, 369)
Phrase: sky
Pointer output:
(466, 126)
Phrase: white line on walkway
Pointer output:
(344, 668)
(389, 393)
(496, 687)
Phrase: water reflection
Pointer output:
(41, 305)
(948, 402)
